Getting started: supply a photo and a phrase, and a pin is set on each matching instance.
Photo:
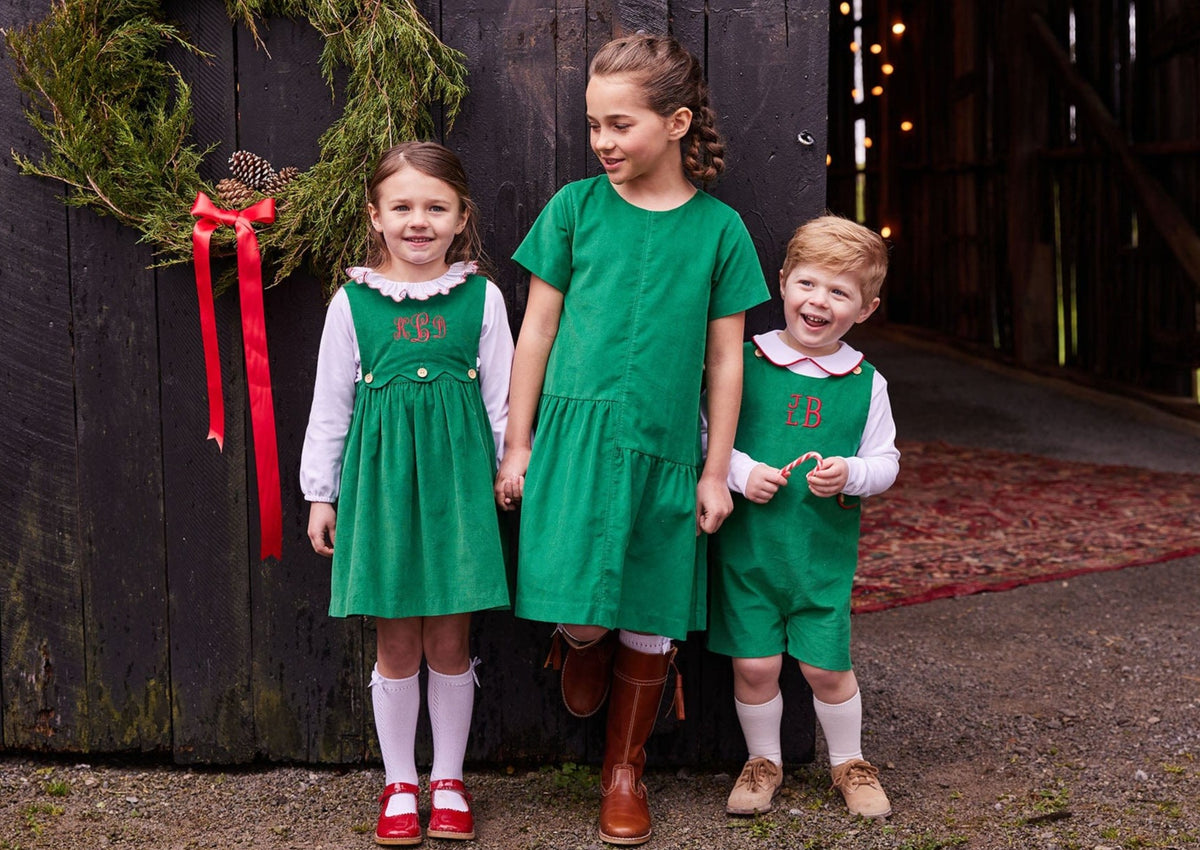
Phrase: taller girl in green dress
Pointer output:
(638, 289)
(411, 398)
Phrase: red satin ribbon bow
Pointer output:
(254, 339)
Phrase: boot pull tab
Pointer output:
(677, 700)
(554, 659)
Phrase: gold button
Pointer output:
(758, 352)
(471, 373)
(367, 378)
(422, 372)
(858, 370)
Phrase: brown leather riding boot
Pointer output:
(637, 689)
(586, 671)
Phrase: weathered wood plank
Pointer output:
(1029, 255)
(307, 675)
(208, 551)
(651, 16)
(506, 134)
(41, 608)
(573, 52)
(122, 552)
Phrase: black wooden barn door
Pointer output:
(135, 615)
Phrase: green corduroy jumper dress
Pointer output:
(417, 529)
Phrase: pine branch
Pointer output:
(116, 119)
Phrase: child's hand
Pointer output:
(510, 479)
(713, 504)
(763, 483)
(322, 525)
(829, 477)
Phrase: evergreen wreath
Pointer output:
(117, 119)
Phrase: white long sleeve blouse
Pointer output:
(339, 368)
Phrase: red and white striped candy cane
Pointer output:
(787, 470)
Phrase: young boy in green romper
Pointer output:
(784, 562)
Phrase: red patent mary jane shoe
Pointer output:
(450, 823)
(398, 829)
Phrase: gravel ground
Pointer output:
(1059, 715)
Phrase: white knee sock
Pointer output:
(842, 725)
(396, 703)
(760, 726)
(645, 644)
(451, 703)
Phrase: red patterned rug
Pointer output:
(961, 520)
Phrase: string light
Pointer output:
(876, 49)
(854, 94)
(828, 160)
(898, 28)
(886, 68)
(906, 126)
(854, 47)
(845, 8)
(877, 91)
(885, 232)
(867, 142)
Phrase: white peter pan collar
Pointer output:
(421, 290)
(842, 362)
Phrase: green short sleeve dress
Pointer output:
(417, 530)
(608, 517)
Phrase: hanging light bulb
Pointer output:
(877, 90)
(906, 126)
(845, 8)
(898, 28)
(876, 49)
(886, 68)
(885, 232)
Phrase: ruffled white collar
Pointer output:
(842, 362)
(398, 290)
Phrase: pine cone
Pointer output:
(276, 183)
(251, 169)
(234, 193)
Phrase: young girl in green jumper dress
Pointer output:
(410, 403)
(639, 286)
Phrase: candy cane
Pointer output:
(787, 470)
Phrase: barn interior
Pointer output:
(1034, 165)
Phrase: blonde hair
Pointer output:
(442, 163)
(670, 77)
(840, 245)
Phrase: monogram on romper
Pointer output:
(812, 411)
(420, 327)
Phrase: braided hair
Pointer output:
(670, 78)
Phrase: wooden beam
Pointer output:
(1159, 206)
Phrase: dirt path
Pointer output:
(1060, 715)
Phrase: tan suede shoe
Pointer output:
(859, 783)
(755, 790)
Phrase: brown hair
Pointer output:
(442, 163)
(840, 245)
(670, 78)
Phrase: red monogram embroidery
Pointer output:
(420, 327)
(812, 411)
